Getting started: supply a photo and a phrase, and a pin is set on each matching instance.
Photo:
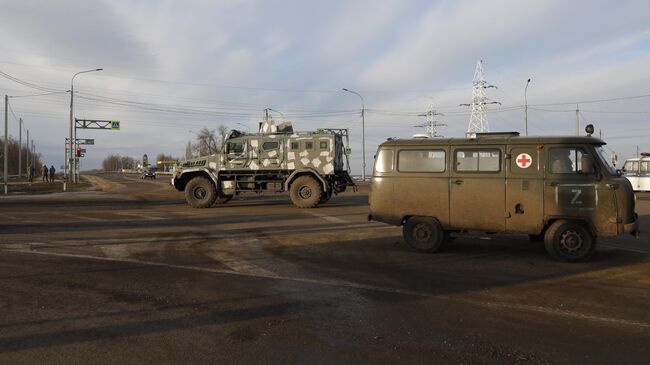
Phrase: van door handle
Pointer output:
(459, 182)
(552, 183)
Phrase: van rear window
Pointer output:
(478, 160)
(421, 161)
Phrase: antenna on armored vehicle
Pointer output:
(478, 122)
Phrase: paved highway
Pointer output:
(131, 274)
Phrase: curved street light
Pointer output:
(72, 160)
(363, 133)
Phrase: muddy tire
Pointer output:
(222, 199)
(305, 192)
(423, 234)
(569, 241)
(325, 197)
(200, 192)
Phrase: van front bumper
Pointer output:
(633, 228)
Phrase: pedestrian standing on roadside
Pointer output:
(45, 171)
(52, 172)
(30, 173)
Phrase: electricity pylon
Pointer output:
(478, 120)
(431, 125)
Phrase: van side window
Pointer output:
(421, 161)
(645, 167)
(565, 160)
(478, 160)
(384, 162)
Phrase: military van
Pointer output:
(562, 190)
(312, 166)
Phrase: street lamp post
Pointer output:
(363, 133)
(73, 159)
(526, 104)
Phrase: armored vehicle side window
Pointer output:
(421, 161)
(323, 145)
(235, 147)
(565, 160)
(384, 162)
(309, 145)
(295, 146)
(270, 146)
(478, 160)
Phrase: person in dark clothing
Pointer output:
(45, 172)
(31, 173)
(52, 172)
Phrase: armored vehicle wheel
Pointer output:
(569, 241)
(200, 193)
(305, 192)
(325, 197)
(423, 234)
(223, 199)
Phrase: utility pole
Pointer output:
(526, 105)
(478, 119)
(577, 120)
(363, 133)
(6, 140)
(27, 157)
(20, 147)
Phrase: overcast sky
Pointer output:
(172, 67)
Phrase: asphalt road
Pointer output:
(131, 274)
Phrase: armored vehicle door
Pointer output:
(525, 189)
(236, 154)
(477, 188)
(271, 153)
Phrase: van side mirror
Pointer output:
(587, 162)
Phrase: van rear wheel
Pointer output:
(569, 241)
(423, 234)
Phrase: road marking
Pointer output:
(327, 217)
(359, 286)
(81, 217)
(139, 215)
(625, 248)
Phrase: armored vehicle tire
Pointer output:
(223, 199)
(423, 234)
(325, 197)
(305, 192)
(200, 193)
(569, 241)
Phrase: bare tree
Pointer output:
(189, 151)
(222, 130)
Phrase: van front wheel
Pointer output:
(569, 241)
(423, 234)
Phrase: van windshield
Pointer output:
(606, 158)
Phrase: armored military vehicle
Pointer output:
(562, 190)
(310, 165)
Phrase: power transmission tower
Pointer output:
(478, 120)
(431, 125)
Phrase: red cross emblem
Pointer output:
(524, 160)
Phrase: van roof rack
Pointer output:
(475, 135)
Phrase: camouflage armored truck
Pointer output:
(310, 165)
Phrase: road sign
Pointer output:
(85, 141)
(83, 150)
(348, 151)
(82, 155)
(115, 125)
